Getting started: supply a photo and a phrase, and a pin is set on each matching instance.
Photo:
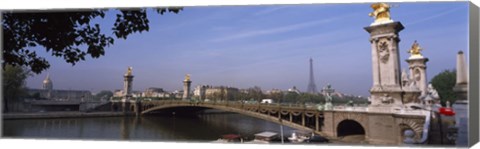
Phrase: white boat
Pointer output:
(229, 138)
(299, 137)
(264, 137)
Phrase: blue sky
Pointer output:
(268, 46)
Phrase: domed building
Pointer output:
(47, 92)
(47, 83)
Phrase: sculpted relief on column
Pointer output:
(383, 51)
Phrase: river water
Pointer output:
(198, 128)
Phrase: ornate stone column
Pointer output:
(385, 64)
(415, 86)
(186, 87)
(418, 67)
(127, 90)
(461, 104)
(461, 86)
(127, 84)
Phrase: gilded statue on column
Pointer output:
(415, 50)
(187, 77)
(381, 12)
(129, 71)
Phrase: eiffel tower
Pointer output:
(312, 88)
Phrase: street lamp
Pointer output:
(281, 129)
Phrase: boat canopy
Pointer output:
(265, 135)
(230, 136)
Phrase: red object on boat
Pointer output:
(231, 136)
(447, 111)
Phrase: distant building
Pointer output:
(199, 92)
(62, 94)
(294, 89)
(215, 92)
(177, 94)
(276, 94)
(155, 93)
(332, 91)
(47, 92)
(118, 93)
(136, 94)
(274, 91)
(47, 83)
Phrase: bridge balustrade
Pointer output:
(299, 116)
(231, 104)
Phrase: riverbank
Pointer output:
(42, 115)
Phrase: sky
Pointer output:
(263, 45)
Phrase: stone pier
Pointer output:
(461, 104)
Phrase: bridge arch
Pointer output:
(253, 112)
(408, 124)
(346, 120)
(349, 127)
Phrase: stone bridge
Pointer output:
(378, 127)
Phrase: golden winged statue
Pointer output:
(381, 12)
(129, 71)
(187, 77)
(415, 50)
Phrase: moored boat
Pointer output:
(265, 137)
(299, 136)
(229, 138)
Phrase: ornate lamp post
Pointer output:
(328, 90)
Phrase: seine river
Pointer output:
(199, 128)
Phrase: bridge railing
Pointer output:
(232, 104)
(348, 108)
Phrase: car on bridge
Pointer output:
(267, 101)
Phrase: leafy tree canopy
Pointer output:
(255, 93)
(64, 33)
(291, 97)
(444, 83)
(13, 78)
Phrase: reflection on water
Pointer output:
(201, 128)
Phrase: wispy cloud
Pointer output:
(186, 21)
(280, 29)
(433, 16)
(269, 10)
(283, 50)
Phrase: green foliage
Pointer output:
(311, 98)
(276, 96)
(348, 100)
(255, 93)
(291, 97)
(13, 85)
(240, 96)
(444, 83)
(64, 34)
(36, 95)
(216, 96)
